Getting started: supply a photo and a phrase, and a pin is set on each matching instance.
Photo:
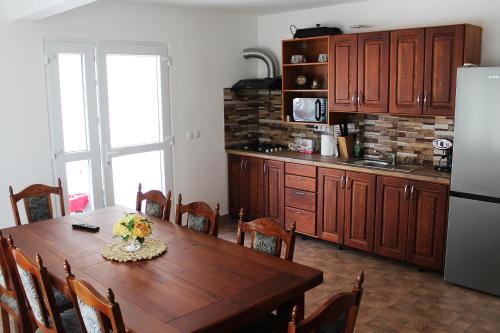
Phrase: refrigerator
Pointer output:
(473, 238)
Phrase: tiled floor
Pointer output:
(397, 297)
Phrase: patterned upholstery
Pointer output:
(31, 294)
(38, 207)
(2, 280)
(10, 302)
(61, 299)
(154, 209)
(266, 244)
(90, 318)
(198, 223)
(338, 326)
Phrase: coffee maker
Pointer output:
(446, 146)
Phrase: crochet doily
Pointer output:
(150, 249)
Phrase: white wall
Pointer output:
(206, 57)
(386, 15)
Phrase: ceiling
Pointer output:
(256, 7)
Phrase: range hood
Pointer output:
(271, 82)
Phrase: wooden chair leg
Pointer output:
(5, 321)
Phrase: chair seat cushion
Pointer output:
(264, 324)
(10, 302)
(62, 301)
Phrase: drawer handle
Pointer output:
(299, 166)
(300, 178)
(299, 193)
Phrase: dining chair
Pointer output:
(35, 282)
(267, 236)
(37, 201)
(12, 301)
(200, 216)
(338, 314)
(95, 313)
(157, 204)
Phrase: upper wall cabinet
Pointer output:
(359, 74)
(424, 66)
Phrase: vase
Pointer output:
(133, 246)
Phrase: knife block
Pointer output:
(346, 146)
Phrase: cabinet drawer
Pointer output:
(301, 183)
(300, 199)
(305, 221)
(300, 169)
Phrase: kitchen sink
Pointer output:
(377, 164)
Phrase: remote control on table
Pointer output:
(85, 226)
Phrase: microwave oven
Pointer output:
(311, 110)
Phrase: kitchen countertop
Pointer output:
(424, 173)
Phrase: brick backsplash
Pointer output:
(255, 116)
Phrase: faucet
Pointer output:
(391, 158)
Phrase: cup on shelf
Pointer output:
(323, 57)
(298, 59)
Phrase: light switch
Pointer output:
(196, 134)
(190, 135)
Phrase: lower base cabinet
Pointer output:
(393, 217)
(410, 221)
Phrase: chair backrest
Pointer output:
(37, 201)
(157, 204)
(95, 313)
(338, 314)
(37, 289)
(267, 236)
(11, 293)
(200, 216)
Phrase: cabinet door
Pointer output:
(343, 73)
(274, 190)
(407, 71)
(254, 168)
(391, 217)
(359, 210)
(444, 47)
(237, 179)
(331, 204)
(427, 224)
(373, 72)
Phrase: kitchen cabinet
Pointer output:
(394, 217)
(359, 73)
(373, 72)
(359, 210)
(343, 71)
(424, 65)
(407, 71)
(331, 184)
(300, 197)
(246, 186)
(391, 217)
(237, 184)
(274, 190)
(427, 224)
(410, 221)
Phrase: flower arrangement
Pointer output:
(133, 227)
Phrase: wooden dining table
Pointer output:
(201, 284)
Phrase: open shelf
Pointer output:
(311, 48)
(306, 90)
(306, 64)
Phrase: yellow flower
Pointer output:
(141, 229)
(119, 229)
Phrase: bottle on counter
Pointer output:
(358, 148)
